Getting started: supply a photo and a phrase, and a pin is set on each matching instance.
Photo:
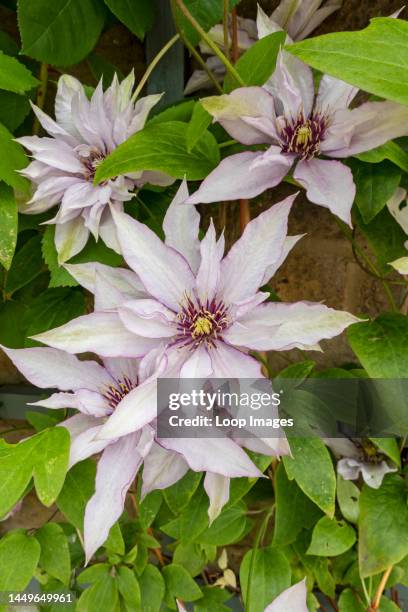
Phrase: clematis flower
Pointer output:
(298, 128)
(97, 392)
(360, 457)
(293, 598)
(296, 17)
(65, 162)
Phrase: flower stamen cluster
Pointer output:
(116, 393)
(303, 136)
(199, 323)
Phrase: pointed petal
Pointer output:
(148, 318)
(198, 365)
(290, 242)
(229, 362)
(260, 246)
(217, 488)
(218, 455)
(334, 94)
(209, 271)
(70, 238)
(99, 332)
(47, 367)
(116, 471)
(85, 444)
(163, 271)
(277, 326)
(293, 598)
(292, 84)
(329, 184)
(125, 281)
(161, 469)
(181, 225)
(137, 409)
(398, 207)
(266, 25)
(68, 87)
(87, 402)
(239, 176)
(400, 265)
(373, 123)
(313, 19)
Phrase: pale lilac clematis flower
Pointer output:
(298, 128)
(293, 599)
(296, 17)
(360, 458)
(65, 162)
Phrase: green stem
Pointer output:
(41, 94)
(153, 65)
(226, 143)
(366, 595)
(258, 539)
(225, 27)
(216, 50)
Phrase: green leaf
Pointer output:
(191, 556)
(348, 495)
(312, 468)
(8, 225)
(258, 63)
(179, 584)
(390, 150)
(42, 420)
(213, 600)
(181, 111)
(270, 576)
(102, 595)
(373, 59)
(137, 15)
(331, 538)
(288, 496)
(19, 555)
(16, 468)
(15, 76)
(318, 566)
(55, 558)
(227, 528)
(383, 525)
(53, 308)
(13, 109)
(382, 345)
(178, 495)
(350, 602)
(385, 237)
(375, 185)
(60, 277)
(62, 32)
(114, 542)
(78, 488)
(152, 588)
(27, 264)
(162, 147)
(389, 447)
(7, 44)
(12, 159)
(129, 587)
(198, 124)
(93, 573)
(206, 12)
(12, 332)
(51, 463)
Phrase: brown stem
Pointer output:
(157, 551)
(377, 599)
(41, 94)
(244, 214)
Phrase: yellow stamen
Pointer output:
(202, 327)
(303, 135)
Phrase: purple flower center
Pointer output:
(303, 136)
(117, 392)
(201, 322)
(90, 158)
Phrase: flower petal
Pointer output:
(217, 488)
(329, 184)
(126, 282)
(398, 207)
(400, 265)
(294, 598)
(68, 86)
(229, 362)
(161, 469)
(218, 455)
(163, 271)
(277, 326)
(48, 367)
(70, 238)
(289, 243)
(292, 85)
(116, 471)
(148, 318)
(238, 176)
(260, 247)
(209, 271)
(88, 402)
(198, 365)
(334, 94)
(181, 225)
(99, 332)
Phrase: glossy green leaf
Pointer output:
(137, 15)
(270, 576)
(15, 76)
(93, 573)
(198, 124)
(191, 556)
(102, 595)
(348, 495)
(375, 184)
(62, 32)
(8, 225)
(15, 473)
(367, 59)
(350, 602)
(78, 487)
(55, 557)
(12, 332)
(312, 468)
(331, 538)
(383, 525)
(14, 108)
(27, 265)
(179, 494)
(152, 588)
(179, 584)
(388, 446)
(162, 147)
(389, 150)
(51, 463)
(19, 555)
(227, 528)
(12, 159)
(386, 238)
(129, 587)
(258, 63)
